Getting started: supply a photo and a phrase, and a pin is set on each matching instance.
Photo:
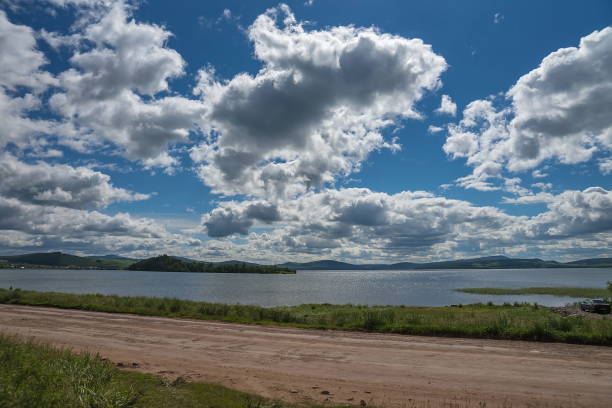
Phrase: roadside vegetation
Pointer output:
(591, 293)
(517, 321)
(36, 375)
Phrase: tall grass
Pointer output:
(517, 321)
(36, 375)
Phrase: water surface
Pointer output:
(413, 288)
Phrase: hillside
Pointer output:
(165, 263)
(489, 262)
(59, 259)
(323, 264)
(594, 262)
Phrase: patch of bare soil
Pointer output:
(332, 367)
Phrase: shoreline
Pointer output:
(509, 322)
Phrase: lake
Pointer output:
(414, 288)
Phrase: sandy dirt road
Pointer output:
(302, 365)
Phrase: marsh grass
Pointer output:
(518, 321)
(555, 291)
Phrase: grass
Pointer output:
(555, 291)
(513, 322)
(37, 375)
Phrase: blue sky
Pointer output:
(273, 131)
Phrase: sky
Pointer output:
(361, 131)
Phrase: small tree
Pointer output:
(610, 286)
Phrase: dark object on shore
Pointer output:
(595, 306)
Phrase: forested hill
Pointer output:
(165, 263)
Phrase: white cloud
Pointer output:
(346, 218)
(434, 129)
(542, 186)
(110, 94)
(376, 226)
(236, 218)
(20, 58)
(560, 110)
(48, 227)
(447, 106)
(537, 173)
(59, 185)
(226, 14)
(605, 165)
(541, 197)
(315, 109)
(21, 82)
(498, 18)
(574, 213)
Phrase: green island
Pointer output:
(37, 375)
(165, 263)
(518, 321)
(577, 292)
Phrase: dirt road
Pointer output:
(337, 367)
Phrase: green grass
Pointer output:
(36, 375)
(555, 291)
(514, 322)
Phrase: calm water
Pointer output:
(416, 288)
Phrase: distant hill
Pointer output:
(113, 256)
(593, 262)
(324, 264)
(234, 262)
(59, 259)
(487, 262)
(165, 263)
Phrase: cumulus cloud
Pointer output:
(574, 213)
(447, 106)
(59, 185)
(560, 110)
(373, 225)
(315, 109)
(20, 58)
(21, 63)
(49, 226)
(236, 218)
(110, 93)
(359, 218)
(71, 223)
